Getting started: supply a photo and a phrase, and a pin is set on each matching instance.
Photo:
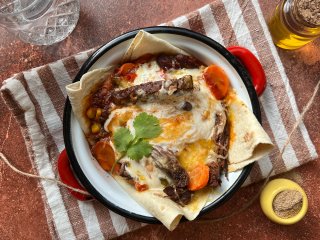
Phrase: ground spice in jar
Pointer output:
(287, 204)
(309, 11)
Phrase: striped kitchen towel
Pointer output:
(37, 98)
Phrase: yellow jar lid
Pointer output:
(270, 192)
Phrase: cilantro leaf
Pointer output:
(122, 139)
(146, 126)
(139, 150)
(136, 147)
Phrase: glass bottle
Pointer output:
(292, 26)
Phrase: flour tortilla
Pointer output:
(164, 209)
(79, 90)
(241, 152)
(250, 142)
(146, 43)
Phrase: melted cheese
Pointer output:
(174, 128)
(144, 174)
(188, 133)
(148, 72)
(195, 153)
(120, 119)
(178, 73)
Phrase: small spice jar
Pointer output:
(284, 201)
(295, 23)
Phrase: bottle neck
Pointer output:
(295, 21)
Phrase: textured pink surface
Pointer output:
(22, 216)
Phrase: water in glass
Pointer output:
(40, 22)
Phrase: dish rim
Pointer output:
(245, 77)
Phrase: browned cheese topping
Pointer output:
(287, 203)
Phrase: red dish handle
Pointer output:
(67, 177)
(253, 66)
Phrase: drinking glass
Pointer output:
(40, 22)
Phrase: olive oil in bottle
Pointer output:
(295, 23)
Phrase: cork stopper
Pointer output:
(309, 11)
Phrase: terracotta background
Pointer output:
(21, 215)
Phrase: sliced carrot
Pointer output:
(103, 152)
(199, 177)
(217, 81)
(126, 68)
(130, 77)
(140, 187)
